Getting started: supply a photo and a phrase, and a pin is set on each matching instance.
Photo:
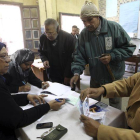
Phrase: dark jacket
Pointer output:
(112, 40)
(17, 79)
(66, 48)
(12, 116)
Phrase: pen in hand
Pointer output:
(58, 100)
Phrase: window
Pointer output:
(11, 32)
(19, 26)
(68, 20)
(31, 26)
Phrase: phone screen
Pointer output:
(44, 125)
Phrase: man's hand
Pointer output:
(24, 88)
(66, 81)
(45, 85)
(39, 98)
(74, 80)
(105, 59)
(91, 126)
(46, 64)
(54, 105)
(91, 93)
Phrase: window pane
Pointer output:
(26, 13)
(34, 23)
(27, 24)
(28, 34)
(36, 44)
(11, 34)
(34, 13)
(29, 44)
(35, 34)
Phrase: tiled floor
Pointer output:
(85, 83)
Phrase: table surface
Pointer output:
(68, 116)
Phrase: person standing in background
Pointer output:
(104, 45)
(56, 48)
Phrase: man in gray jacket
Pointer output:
(104, 45)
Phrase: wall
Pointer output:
(24, 2)
(102, 9)
(53, 7)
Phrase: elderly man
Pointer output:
(56, 48)
(12, 116)
(104, 45)
(123, 88)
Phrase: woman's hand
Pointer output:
(33, 98)
(54, 105)
(45, 85)
(24, 88)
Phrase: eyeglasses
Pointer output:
(50, 34)
(5, 58)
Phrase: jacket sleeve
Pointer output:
(112, 133)
(41, 51)
(121, 88)
(123, 46)
(70, 49)
(79, 57)
(13, 116)
(34, 80)
(21, 99)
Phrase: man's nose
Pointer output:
(8, 60)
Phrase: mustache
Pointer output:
(90, 26)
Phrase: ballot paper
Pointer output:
(84, 106)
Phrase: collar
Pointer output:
(104, 25)
(97, 31)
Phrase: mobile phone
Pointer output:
(44, 125)
(74, 86)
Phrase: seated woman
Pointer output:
(21, 73)
(12, 116)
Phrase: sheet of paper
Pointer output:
(129, 20)
(58, 89)
(73, 100)
(83, 106)
(86, 107)
(97, 115)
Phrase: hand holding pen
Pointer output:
(45, 85)
(55, 105)
(25, 88)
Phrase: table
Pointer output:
(41, 73)
(68, 116)
(135, 59)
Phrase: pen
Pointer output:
(23, 82)
(47, 92)
(57, 100)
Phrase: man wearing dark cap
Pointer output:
(104, 45)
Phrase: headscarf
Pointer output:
(2, 45)
(89, 9)
(19, 57)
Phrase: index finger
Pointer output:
(83, 95)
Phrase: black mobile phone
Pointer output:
(44, 125)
